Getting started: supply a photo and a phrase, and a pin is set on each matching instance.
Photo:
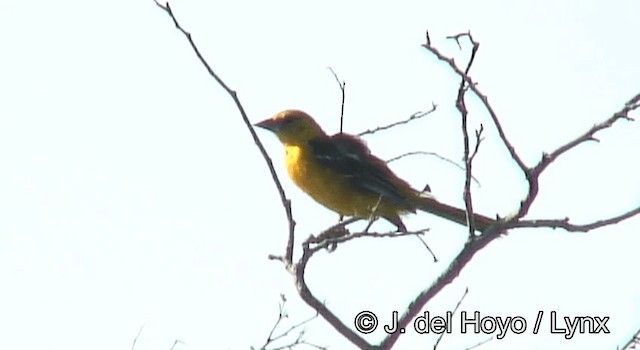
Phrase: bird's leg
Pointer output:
(400, 227)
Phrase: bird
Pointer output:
(341, 173)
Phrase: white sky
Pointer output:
(131, 193)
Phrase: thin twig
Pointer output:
(468, 159)
(295, 327)
(337, 230)
(414, 116)
(479, 139)
(534, 173)
(483, 98)
(176, 342)
(464, 295)
(337, 240)
(424, 243)
(271, 339)
(281, 316)
(567, 226)
(342, 85)
(631, 344)
(135, 340)
(286, 203)
(414, 153)
(481, 343)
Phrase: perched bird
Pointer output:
(340, 173)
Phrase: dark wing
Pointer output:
(350, 157)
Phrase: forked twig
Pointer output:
(298, 340)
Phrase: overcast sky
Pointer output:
(131, 193)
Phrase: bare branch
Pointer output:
(335, 231)
(320, 307)
(631, 344)
(481, 343)
(424, 243)
(457, 37)
(476, 243)
(531, 174)
(479, 139)
(413, 153)
(455, 309)
(342, 84)
(471, 247)
(414, 116)
(295, 327)
(483, 98)
(337, 240)
(567, 226)
(135, 340)
(468, 159)
(590, 134)
(534, 173)
(286, 203)
(281, 316)
(271, 339)
(176, 342)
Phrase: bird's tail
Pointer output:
(431, 205)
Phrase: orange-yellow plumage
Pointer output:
(334, 192)
(340, 173)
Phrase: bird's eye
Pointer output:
(288, 121)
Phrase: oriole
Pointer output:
(340, 173)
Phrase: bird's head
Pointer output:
(292, 126)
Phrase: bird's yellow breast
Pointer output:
(329, 188)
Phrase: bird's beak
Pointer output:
(269, 124)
